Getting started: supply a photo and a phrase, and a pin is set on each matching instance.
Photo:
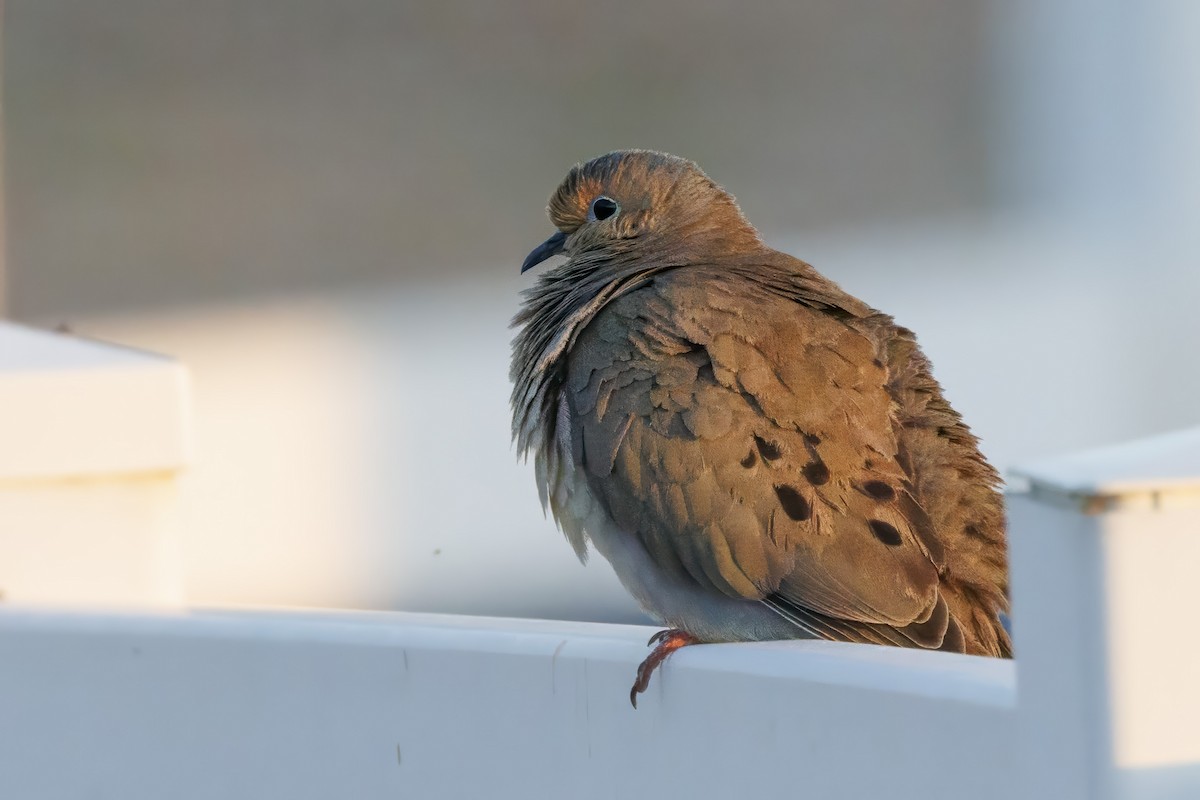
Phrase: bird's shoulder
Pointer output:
(791, 346)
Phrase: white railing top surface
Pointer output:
(74, 407)
(983, 681)
(1167, 466)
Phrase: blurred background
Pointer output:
(321, 207)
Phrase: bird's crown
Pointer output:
(637, 191)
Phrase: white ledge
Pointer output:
(266, 704)
(1152, 473)
(74, 407)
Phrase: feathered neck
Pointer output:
(552, 314)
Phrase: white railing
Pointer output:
(1105, 549)
(1102, 702)
(357, 705)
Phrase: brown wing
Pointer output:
(957, 487)
(749, 441)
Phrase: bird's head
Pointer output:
(642, 202)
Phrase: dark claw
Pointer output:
(658, 637)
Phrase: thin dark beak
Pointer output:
(551, 247)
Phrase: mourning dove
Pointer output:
(757, 453)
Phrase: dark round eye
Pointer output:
(603, 207)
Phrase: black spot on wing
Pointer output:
(750, 460)
(793, 503)
(885, 532)
(816, 473)
(768, 450)
(879, 490)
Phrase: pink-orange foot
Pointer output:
(668, 642)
